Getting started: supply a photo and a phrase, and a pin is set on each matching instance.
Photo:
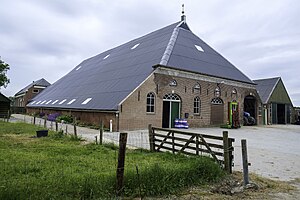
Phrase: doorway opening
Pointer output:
(281, 113)
(171, 110)
(250, 105)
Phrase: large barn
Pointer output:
(167, 74)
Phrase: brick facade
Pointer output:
(133, 113)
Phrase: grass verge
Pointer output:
(62, 167)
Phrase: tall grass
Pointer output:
(61, 167)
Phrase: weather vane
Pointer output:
(182, 9)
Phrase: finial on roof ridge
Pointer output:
(183, 17)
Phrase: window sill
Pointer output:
(150, 113)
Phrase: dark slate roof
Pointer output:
(41, 82)
(3, 98)
(265, 87)
(108, 80)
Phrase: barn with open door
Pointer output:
(277, 105)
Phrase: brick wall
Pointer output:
(133, 110)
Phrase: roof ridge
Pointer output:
(166, 56)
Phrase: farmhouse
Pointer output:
(24, 96)
(277, 105)
(4, 106)
(167, 74)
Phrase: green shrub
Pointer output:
(66, 118)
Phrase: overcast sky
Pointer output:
(48, 38)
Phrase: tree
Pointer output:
(4, 67)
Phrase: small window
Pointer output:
(63, 101)
(197, 88)
(199, 48)
(38, 102)
(48, 102)
(32, 102)
(70, 102)
(43, 102)
(86, 101)
(150, 102)
(78, 68)
(135, 46)
(36, 91)
(106, 56)
(54, 102)
(173, 83)
(197, 105)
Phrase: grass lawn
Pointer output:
(63, 167)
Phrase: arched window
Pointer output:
(217, 92)
(150, 102)
(171, 97)
(197, 88)
(217, 101)
(197, 105)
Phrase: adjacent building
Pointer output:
(4, 106)
(167, 74)
(23, 97)
(277, 105)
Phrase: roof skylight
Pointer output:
(70, 102)
(199, 48)
(86, 101)
(106, 56)
(63, 101)
(43, 102)
(78, 67)
(32, 102)
(38, 102)
(48, 102)
(135, 46)
(54, 102)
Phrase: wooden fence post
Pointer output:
(56, 126)
(230, 140)
(121, 163)
(45, 122)
(75, 129)
(151, 138)
(245, 162)
(173, 142)
(226, 152)
(34, 120)
(197, 145)
(101, 132)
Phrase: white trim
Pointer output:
(272, 90)
(136, 88)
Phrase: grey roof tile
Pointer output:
(265, 87)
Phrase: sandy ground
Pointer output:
(273, 150)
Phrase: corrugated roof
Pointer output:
(108, 78)
(265, 87)
(41, 82)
